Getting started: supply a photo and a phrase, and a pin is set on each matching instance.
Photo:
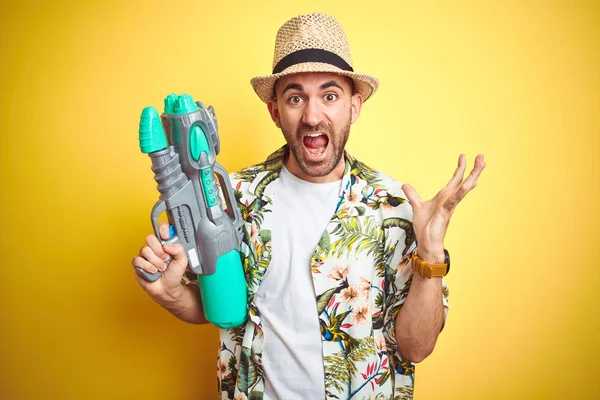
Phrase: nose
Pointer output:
(312, 114)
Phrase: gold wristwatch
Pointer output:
(429, 270)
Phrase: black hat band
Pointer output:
(311, 55)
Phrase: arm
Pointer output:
(421, 317)
(169, 291)
(187, 306)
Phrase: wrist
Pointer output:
(431, 256)
(431, 264)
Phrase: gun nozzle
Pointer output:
(151, 134)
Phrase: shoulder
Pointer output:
(386, 199)
(247, 175)
(252, 181)
(385, 190)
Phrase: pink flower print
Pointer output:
(241, 396)
(360, 315)
(253, 233)
(339, 272)
(364, 287)
(350, 294)
(380, 343)
(352, 197)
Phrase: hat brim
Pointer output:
(364, 84)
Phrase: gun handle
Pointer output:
(232, 207)
(158, 209)
(148, 276)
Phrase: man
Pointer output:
(341, 300)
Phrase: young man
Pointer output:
(341, 300)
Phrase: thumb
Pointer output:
(412, 195)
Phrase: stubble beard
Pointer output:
(337, 141)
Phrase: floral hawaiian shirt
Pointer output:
(361, 273)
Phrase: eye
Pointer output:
(329, 97)
(295, 99)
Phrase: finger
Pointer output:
(163, 228)
(412, 195)
(459, 172)
(151, 257)
(156, 246)
(144, 264)
(178, 253)
(468, 185)
(153, 288)
(483, 164)
(471, 180)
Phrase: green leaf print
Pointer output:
(406, 225)
(368, 236)
(404, 393)
(270, 177)
(265, 236)
(384, 377)
(237, 334)
(338, 371)
(325, 240)
(247, 375)
(232, 363)
(364, 172)
(255, 396)
(379, 300)
(340, 368)
(323, 299)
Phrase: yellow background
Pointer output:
(516, 80)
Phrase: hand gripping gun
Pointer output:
(184, 167)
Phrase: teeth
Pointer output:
(314, 134)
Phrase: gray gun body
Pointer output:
(202, 227)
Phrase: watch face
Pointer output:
(447, 260)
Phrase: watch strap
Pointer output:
(428, 270)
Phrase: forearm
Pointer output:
(421, 317)
(187, 306)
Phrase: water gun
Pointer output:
(184, 165)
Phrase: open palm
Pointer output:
(431, 218)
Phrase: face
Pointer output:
(314, 111)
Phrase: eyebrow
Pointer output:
(289, 86)
(331, 84)
(324, 86)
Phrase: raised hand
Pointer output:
(431, 218)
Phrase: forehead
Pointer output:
(310, 80)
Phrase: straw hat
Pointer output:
(312, 43)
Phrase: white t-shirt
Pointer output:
(292, 355)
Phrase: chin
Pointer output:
(318, 170)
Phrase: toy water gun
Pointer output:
(184, 165)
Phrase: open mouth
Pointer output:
(315, 143)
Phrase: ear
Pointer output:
(274, 111)
(356, 106)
